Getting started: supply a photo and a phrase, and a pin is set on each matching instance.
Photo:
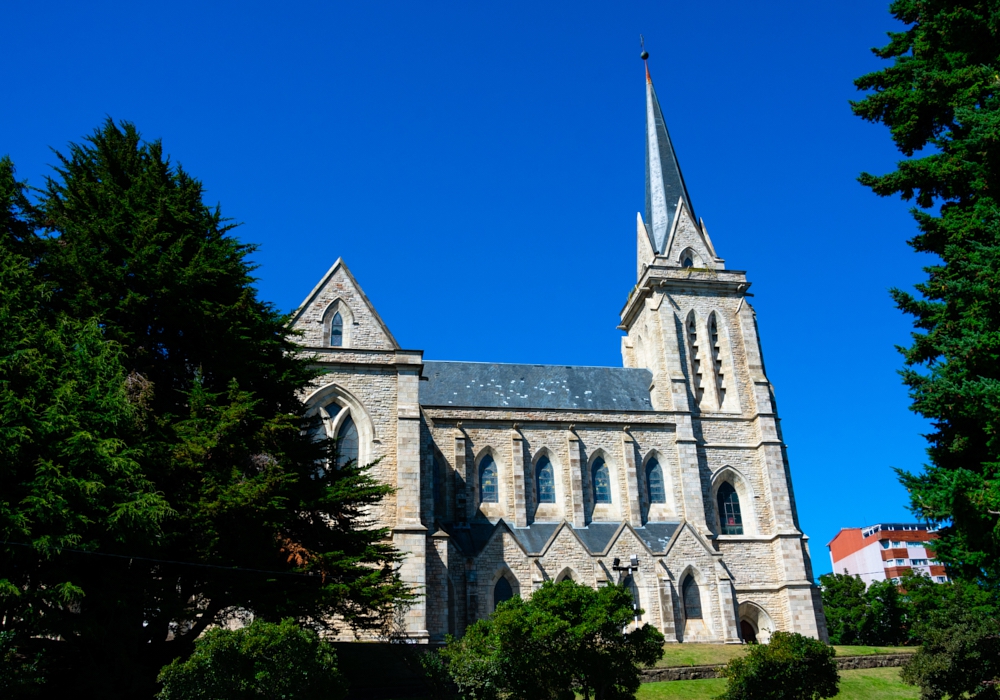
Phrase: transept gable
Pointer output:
(339, 299)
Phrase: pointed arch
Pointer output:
(504, 583)
(692, 342)
(334, 406)
(489, 483)
(755, 620)
(602, 492)
(721, 351)
(338, 321)
(688, 258)
(732, 493)
(664, 510)
(568, 572)
(546, 510)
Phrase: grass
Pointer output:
(718, 654)
(863, 684)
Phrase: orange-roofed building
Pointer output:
(886, 551)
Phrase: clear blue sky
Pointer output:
(479, 167)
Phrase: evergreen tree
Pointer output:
(206, 495)
(940, 100)
(844, 606)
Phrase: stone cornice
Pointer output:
(670, 278)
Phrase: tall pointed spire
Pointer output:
(665, 186)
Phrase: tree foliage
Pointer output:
(940, 100)
(262, 661)
(156, 473)
(565, 640)
(789, 667)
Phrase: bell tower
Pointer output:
(689, 321)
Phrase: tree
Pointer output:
(789, 667)
(857, 614)
(844, 606)
(162, 477)
(959, 657)
(567, 639)
(940, 98)
(261, 661)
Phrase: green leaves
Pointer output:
(789, 667)
(153, 456)
(566, 639)
(940, 98)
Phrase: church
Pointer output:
(668, 474)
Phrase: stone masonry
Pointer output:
(507, 476)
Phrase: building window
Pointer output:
(488, 481)
(502, 591)
(720, 378)
(730, 517)
(692, 599)
(438, 487)
(696, 377)
(654, 482)
(885, 544)
(687, 262)
(918, 562)
(602, 482)
(337, 331)
(545, 481)
(347, 443)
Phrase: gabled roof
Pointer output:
(495, 385)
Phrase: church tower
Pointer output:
(689, 322)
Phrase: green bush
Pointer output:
(264, 660)
(566, 640)
(789, 667)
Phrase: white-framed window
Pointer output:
(885, 544)
(918, 562)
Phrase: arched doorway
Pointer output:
(748, 633)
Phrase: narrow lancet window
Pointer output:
(720, 383)
(729, 510)
(546, 481)
(488, 485)
(692, 598)
(654, 482)
(696, 378)
(602, 482)
(502, 592)
(347, 443)
(337, 331)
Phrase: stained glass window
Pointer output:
(602, 482)
(502, 591)
(654, 482)
(546, 481)
(488, 480)
(337, 331)
(692, 599)
(347, 442)
(729, 510)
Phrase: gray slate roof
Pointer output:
(596, 536)
(489, 385)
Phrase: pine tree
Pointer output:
(940, 100)
(237, 511)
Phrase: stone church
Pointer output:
(668, 474)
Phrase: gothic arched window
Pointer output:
(337, 331)
(502, 591)
(654, 482)
(347, 442)
(489, 493)
(687, 262)
(720, 377)
(602, 482)
(545, 481)
(438, 487)
(692, 598)
(729, 510)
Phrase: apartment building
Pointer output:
(886, 551)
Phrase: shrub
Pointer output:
(789, 667)
(263, 660)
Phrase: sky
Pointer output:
(479, 166)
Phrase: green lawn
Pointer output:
(719, 654)
(864, 684)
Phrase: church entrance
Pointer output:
(748, 633)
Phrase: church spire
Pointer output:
(664, 183)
